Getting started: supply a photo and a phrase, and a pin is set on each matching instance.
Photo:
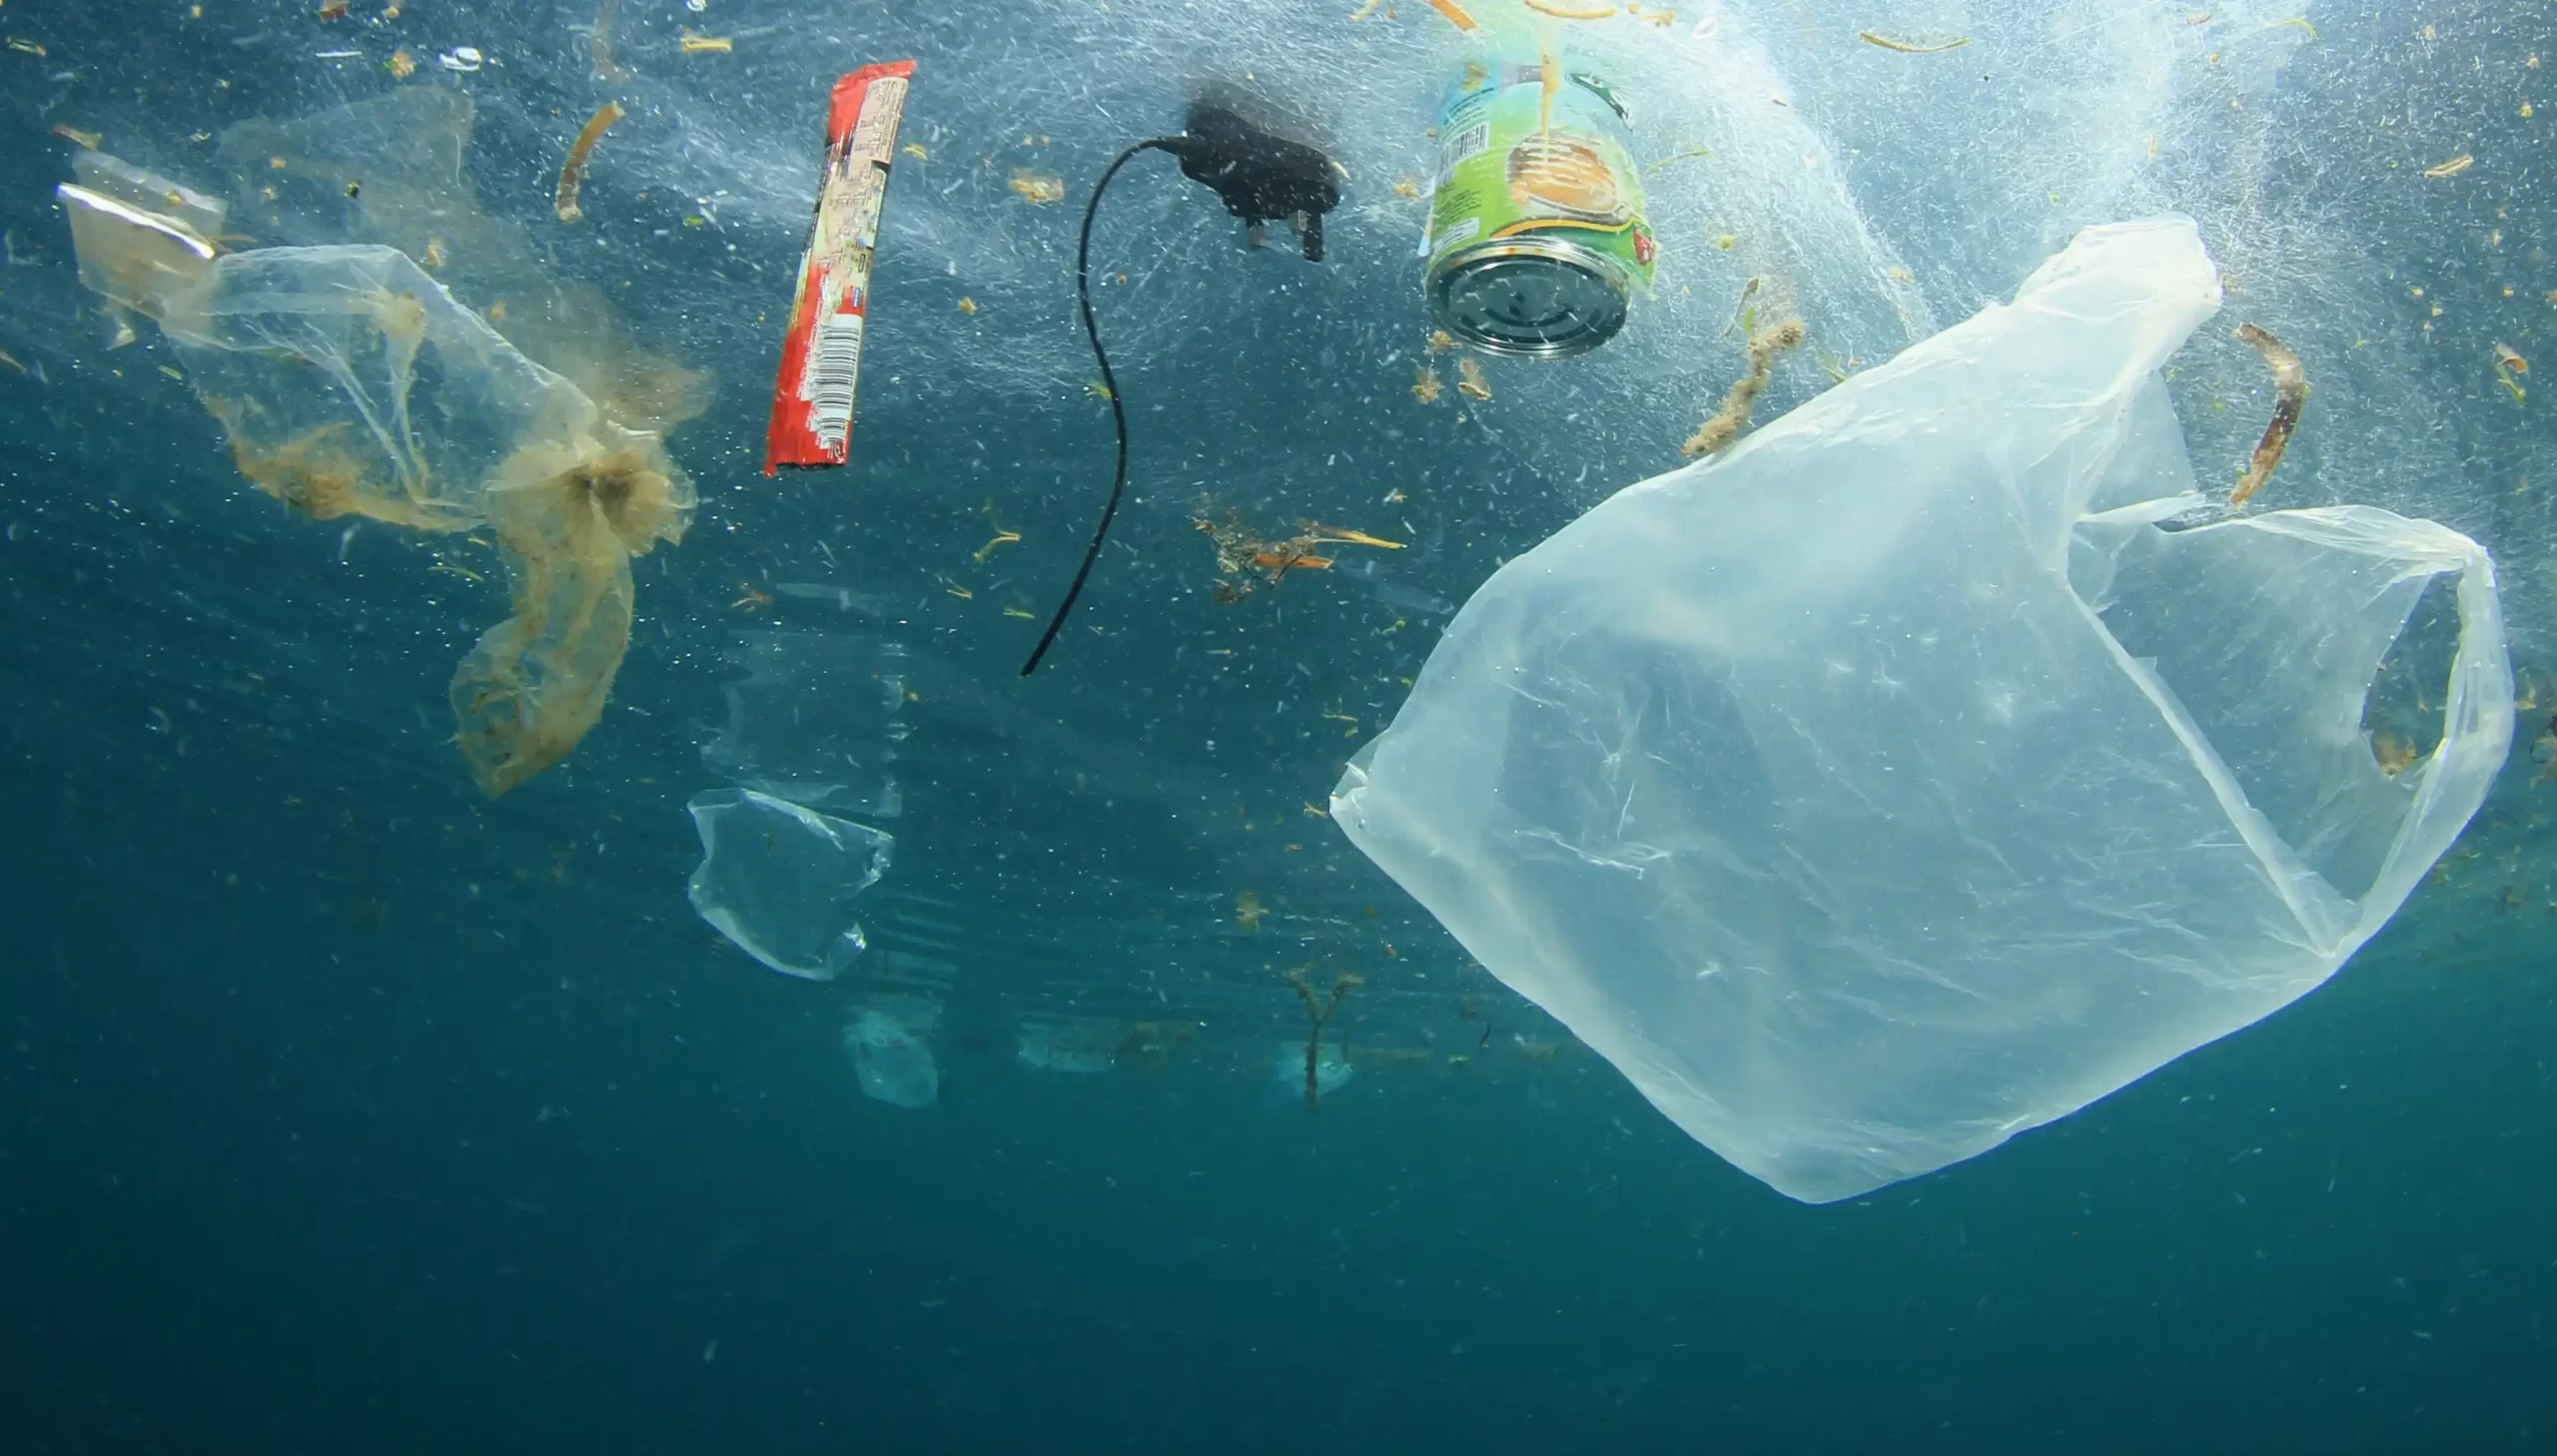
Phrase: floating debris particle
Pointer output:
(572, 174)
(26, 47)
(1409, 187)
(11, 361)
(434, 256)
(2302, 22)
(1364, 11)
(1255, 561)
(2509, 359)
(1341, 985)
(1913, 47)
(1469, 380)
(916, 152)
(967, 305)
(332, 9)
(2290, 391)
(1440, 340)
(462, 58)
(1561, 11)
(1037, 188)
(77, 136)
(1456, 13)
(1002, 536)
(1717, 434)
(2394, 755)
(401, 64)
(1727, 241)
(1742, 314)
(694, 43)
(1247, 910)
(600, 42)
(2451, 168)
(1426, 386)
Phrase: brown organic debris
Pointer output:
(1717, 434)
(1319, 1014)
(1035, 188)
(1250, 561)
(572, 174)
(2290, 391)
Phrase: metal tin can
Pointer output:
(1537, 233)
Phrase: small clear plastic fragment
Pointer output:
(778, 879)
(139, 235)
(890, 1043)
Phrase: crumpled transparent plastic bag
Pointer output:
(1918, 771)
(351, 383)
(890, 1043)
(778, 879)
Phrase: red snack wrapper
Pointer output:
(821, 360)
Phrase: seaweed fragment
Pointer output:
(1717, 432)
(1319, 1016)
(2290, 391)
(1249, 560)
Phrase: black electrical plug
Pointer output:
(1261, 176)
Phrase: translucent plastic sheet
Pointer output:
(814, 719)
(890, 1043)
(1900, 782)
(779, 881)
(391, 170)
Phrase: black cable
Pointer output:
(1110, 383)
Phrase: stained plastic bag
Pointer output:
(353, 383)
(1904, 779)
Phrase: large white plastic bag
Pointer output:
(1824, 788)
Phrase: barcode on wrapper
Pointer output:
(834, 371)
(821, 355)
